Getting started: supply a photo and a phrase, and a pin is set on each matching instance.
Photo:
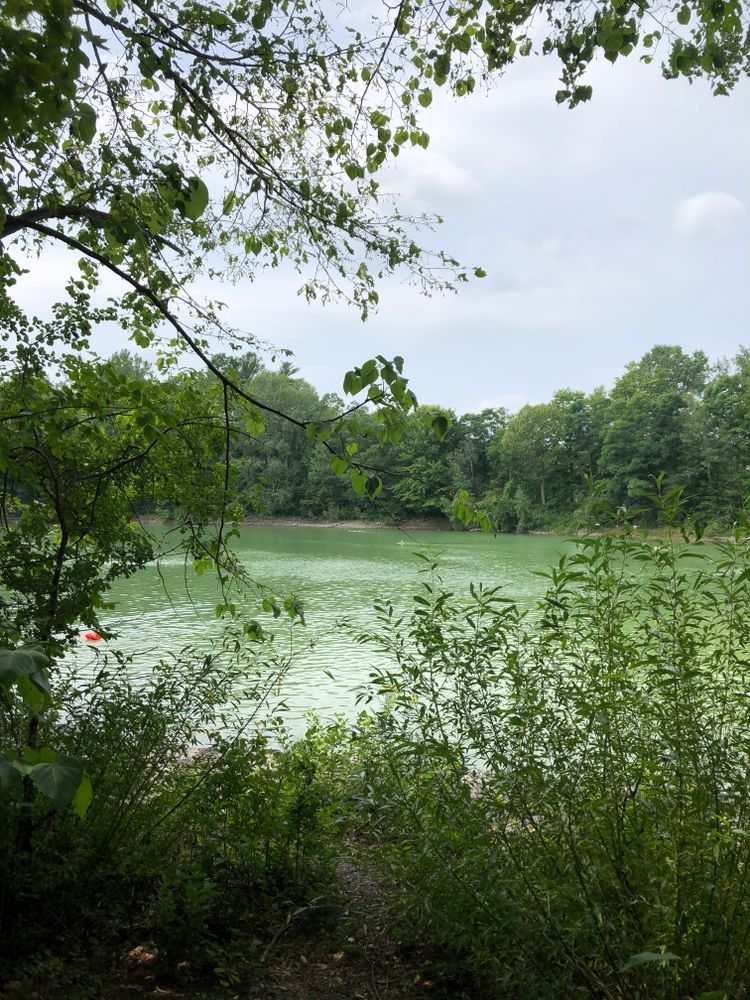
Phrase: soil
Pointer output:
(349, 953)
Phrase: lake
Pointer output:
(339, 573)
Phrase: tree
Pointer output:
(532, 446)
(130, 365)
(280, 456)
(168, 140)
(69, 486)
(160, 142)
(645, 436)
(477, 431)
(717, 441)
(423, 465)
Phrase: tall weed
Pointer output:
(562, 797)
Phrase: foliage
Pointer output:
(668, 413)
(195, 851)
(161, 144)
(560, 797)
(646, 419)
(164, 143)
(78, 450)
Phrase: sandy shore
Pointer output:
(438, 524)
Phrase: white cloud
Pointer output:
(431, 180)
(710, 213)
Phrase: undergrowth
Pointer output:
(560, 797)
(210, 828)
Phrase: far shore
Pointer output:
(423, 524)
(418, 524)
(429, 524)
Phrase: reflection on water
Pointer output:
(339, 573)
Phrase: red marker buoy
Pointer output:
(91, 636)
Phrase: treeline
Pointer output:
(671, 413)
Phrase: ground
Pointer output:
(347, 953)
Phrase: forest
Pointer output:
(670, 414)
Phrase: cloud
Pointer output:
(710, 213)
(431, 181)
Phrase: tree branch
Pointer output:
(28, 220)
(163, 308)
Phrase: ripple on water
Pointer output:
(339, 573)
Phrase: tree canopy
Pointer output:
(165, 140)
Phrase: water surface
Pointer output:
(339, 573)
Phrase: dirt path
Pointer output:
(349, 953)
(354, 958)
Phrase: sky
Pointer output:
(603, 230)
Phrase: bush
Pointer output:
(208, 822)
(561, 797)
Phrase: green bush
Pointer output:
(208, 823)
(561, 797)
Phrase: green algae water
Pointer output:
(338, 573)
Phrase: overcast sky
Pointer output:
(603, 231)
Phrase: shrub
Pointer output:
(561, 796)
(208, 821)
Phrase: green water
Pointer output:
(338, 572)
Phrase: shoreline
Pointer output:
(416, 524)
(428, 524)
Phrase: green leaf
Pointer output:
(369, 372)
(60, 779)
(373, 486)
(643, 957)
(352, 384)
(270, 605)
(84, 126)
(253, 630)
(683, 15)
(220, 20)
(440, 425)
(83, 797)
(10, 774)
(359, 482)
(24, 663)
(197, 198)
(425, 98)
(338, 465)
(33, 694)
